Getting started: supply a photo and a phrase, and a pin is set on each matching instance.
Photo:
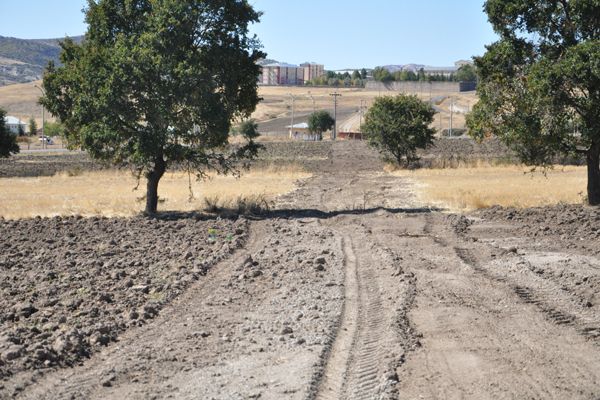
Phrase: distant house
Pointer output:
(13, 124)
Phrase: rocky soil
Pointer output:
(568, 226)
(71, 285)
(347, 289)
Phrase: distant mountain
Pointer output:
(267, 61)
(416, 68)
(24, 60)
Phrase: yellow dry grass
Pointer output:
(111, 194)
(20, 100)
(511, 186)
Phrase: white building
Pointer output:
(13, 123)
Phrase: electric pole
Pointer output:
(363, 106)
(44, 144)
(451, 110)
(313, 101)
(335, 96)
(292, 125)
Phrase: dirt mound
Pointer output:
(72, 285)
(27, 165)
(309, 155)
(452, 153)
(577, 225)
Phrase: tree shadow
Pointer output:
(292, 213)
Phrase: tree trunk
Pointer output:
(593, 170)
(153, 177)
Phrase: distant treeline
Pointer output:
(466, 73)
(358, 78)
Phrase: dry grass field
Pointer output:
(20, 100)
(111, 193)
(463, 189)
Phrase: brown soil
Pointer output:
(349, 289)
(28, 165)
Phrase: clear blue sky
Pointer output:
(339, 34)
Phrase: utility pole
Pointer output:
(363, 106)
(335, 96)
(292, 124)
(451, 110)
(430, 85)
(313, 101)
(44, 144)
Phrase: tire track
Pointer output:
(544, 295)
(332, 383)
(365, 367)
(354, 366)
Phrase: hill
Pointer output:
(24, 60)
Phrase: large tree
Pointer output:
(8, 140)
(158, 82)
(320, 122)
(539, 85)
(398, 126)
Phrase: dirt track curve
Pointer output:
(352, 290)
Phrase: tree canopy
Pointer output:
(8, 140)
(539, 85)
(156, 83)
(399, 125)
(319, 122)
(466, 73)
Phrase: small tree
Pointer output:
(398, 126)
(21, 130)
(53, 129)
(157, 83)
(382, 75)
(319, 122)
(248, 129)
(32, 126)
(8, 140)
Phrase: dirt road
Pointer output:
(352, 290)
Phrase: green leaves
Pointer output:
(8, 140)
(319, 122)
(158, 81)
(539, 84)
(398, 126)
